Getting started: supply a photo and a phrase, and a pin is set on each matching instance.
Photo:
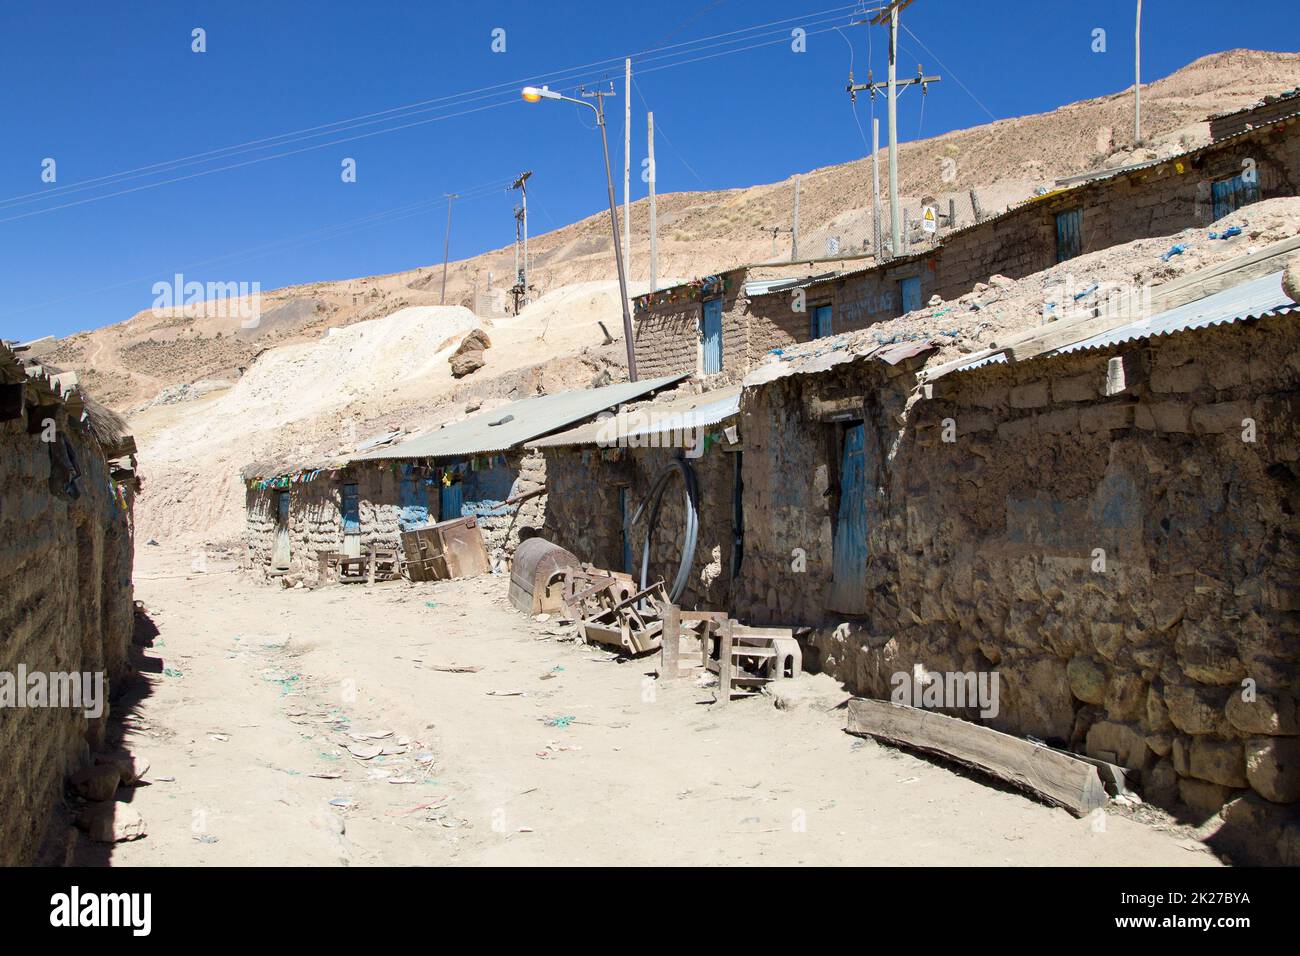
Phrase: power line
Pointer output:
(412, 109)
(320, 234)
(949, 71)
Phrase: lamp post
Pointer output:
(535, 94)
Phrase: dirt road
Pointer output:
(262, 704)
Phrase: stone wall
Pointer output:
(66, 605)
(1126, 564)
(316, 520)
(583, 514)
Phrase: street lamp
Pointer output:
(535, 94)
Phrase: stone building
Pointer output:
(66, 598)
(725, 325)
(601, 474)
(477, 466)
(1110, 527)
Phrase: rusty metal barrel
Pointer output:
(536, 575)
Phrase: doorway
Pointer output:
(849, 542)
(280, 554)
(351, 521)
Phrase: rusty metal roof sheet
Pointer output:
(511, 425)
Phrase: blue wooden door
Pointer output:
(849, 555)
(910, 289)
(450, 501)
(1229, 195)
(821, 321)
(712, 336)
(414, 502)
(1069, 234)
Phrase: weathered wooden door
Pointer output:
(849, 554)
(821, 321)
(414, 502)
(910, 290)
(1069, 234)
(712, 336)
(450, 501)
(1231, 194)
(281, 553)
(351, 521)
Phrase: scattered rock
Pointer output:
(1273, 767)
(1087, 679)
(469, 356)
(111, 822)
(1291, 278)
(98, 782)
(132, 767)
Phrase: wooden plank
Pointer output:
(1057, 778)
(1203, 282)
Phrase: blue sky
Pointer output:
(106, 89)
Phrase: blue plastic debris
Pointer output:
(1177, 250)
(1086, 292)
(1227, 233)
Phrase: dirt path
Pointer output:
(595, 763)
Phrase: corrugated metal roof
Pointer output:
(1242, 303)
(680, 415)
(511, 425)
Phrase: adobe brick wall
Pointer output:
(316, 520)
(66, 605)
(1164, 199)
(582, 515)
(983, 555)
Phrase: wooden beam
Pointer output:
(1059, 779)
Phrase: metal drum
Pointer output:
(536, 576)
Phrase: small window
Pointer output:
(821, 321)
(1069, 234)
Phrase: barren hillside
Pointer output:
(129, 364)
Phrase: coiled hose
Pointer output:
(653, 500)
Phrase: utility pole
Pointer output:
(794, 224)
(1137, 77)
(627, 166)
(521, 223)
(876, 237)
(599, 97)
(654, 224)
(775, 231)
(890, 14)
(446, 247)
